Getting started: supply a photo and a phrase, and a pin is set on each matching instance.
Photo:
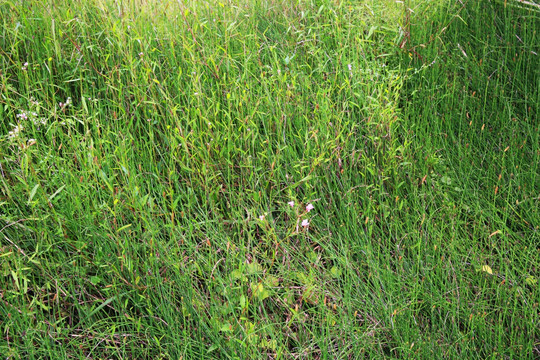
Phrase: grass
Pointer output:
(157, 160)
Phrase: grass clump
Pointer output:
(269, 179)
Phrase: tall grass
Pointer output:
(269, 179)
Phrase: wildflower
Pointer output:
(141, 54)
(309, 207)
(66, 104)
(261, 217)
(350, 67)
(31, 142)
(305, 222)
(15, 132)
(25, 65)
(291, 203)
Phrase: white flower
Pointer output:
(350, 67)
(261, 217)
(305, 223)
(15, 132)
(291, 203)
(309, 207)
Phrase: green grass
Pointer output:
(150, 218)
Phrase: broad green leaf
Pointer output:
(335, 271)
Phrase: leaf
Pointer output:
(259, 291)
(288, 59)
(243, 302)
(254, 268)
(303, 278)
(56, 192)
(95, 280)
(446, 180)
(530, 280)
(32, 194)
(271, 281)
(237, 275)
(370, 32)
(310, 295)
(487, 269)
(123, 228)
(335, 271)
(226, 327)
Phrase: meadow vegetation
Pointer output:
(269, 179)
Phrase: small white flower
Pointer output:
(350, 67)
(291, 203)
(309, 207)
(141, 54)
(305, 223)
(31, 142)
(261, 217)
(15, 132)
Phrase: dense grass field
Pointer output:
(269, 179)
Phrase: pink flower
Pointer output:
(291, 203)
(305, 223)
(309, 207)
(261, 217)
